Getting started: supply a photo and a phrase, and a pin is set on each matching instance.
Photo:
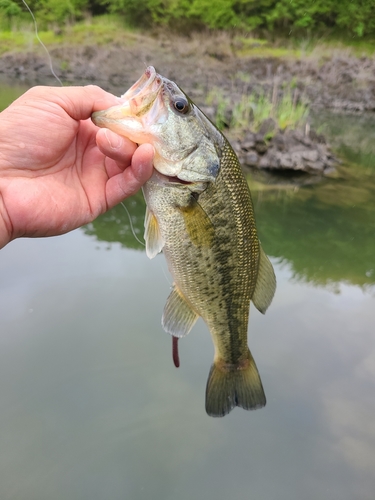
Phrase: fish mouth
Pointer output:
(160, 178)
(168, 179)
(174, 181)
(177, 180)
(138, 100)
(142, 95)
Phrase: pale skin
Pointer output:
(58, 170)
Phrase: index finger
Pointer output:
(78, 102)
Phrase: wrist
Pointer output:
(5, 225)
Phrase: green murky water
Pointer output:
(91, 406)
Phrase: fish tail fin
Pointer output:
(233, 385)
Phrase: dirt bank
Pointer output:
(337, 81)
(201, 64)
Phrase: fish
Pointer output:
(199, 213)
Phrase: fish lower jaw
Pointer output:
(176, 180)
(163, 178)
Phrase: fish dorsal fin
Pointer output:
(153, 238)
(266, 283)
(178, 317)
(198, 224)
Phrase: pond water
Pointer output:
(91, 406)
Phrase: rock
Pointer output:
(264, 162)
(300, 137)
(260, 144)
(297, 160)
(314, 167)
(249, 136)
(289, 150)
(269, 160)
(247, 145)
(311, 156)
(279, 141)
(251, 159)
(237, 146)
(286, 161)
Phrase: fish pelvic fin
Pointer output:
(178, 316)
(234, 385)
(266, 284)
(153, 238)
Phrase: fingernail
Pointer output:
(115, 141)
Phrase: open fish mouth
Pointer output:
(170, 181)
(138, 100)
(177, 180)
(141, 96)
(149, 82)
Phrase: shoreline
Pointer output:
(335, 84)
(340, 82)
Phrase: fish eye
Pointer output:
(182, 106)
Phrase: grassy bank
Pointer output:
(287, 111)
(100, 30)
(110, 29)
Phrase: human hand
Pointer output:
(58, 171)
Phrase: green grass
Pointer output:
(99, 30)
(289, 111)
(258, 47)
(16, 41)
(309, 46)
(107, 29)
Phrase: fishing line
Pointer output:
(142, 242)
(42, 44)
(131, 226)
(167, 277)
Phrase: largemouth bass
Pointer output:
(200, 214)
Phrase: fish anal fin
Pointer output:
(178, 317)
(198, 224)
(153, 238)
(266, 283)
(234, 385)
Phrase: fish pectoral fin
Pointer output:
(266, 283)
(178, 317)
(237, 385)
(198, 224)
(153, 238)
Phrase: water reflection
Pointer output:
(325, 232)
(122, 224)
(352, 137)
(8, 93)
